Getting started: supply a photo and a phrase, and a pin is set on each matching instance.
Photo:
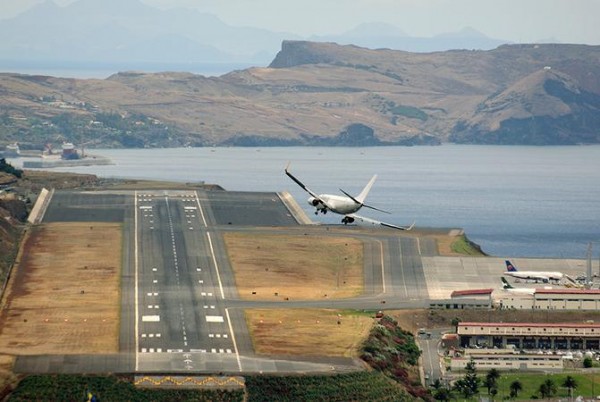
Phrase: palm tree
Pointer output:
(491, 380)
(571, 384)
(548, 388)
(515, 387)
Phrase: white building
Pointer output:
(551, 299)
(529, 335)
(508, 361)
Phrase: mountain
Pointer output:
(323, 94)
(545, 106)
(128, 32)
(122, 31)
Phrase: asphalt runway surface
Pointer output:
(180, 310)
(176, 282)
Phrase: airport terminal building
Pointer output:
(529, 335)
(552, 299)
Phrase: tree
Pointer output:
(437, 384)
(548, 388)
(491, 380)
(469, 384)
(515, 387)
(570, 383)
(443, 394)
(588, 362)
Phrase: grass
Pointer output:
(409, 111)
(64, 269)
(276, 267)
(307, 332)
(532, 381)
(462, 245)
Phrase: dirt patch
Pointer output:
(308, 332)
(63, 296)
(274, 267)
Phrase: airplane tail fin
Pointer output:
(510, 267)
(363, 194)
(505, 284)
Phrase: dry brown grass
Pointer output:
(63, 296)
(295, 267)
(307, 332)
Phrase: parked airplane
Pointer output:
(345, 205)
(510, 288)
(545, 277)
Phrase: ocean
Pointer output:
(514, 201)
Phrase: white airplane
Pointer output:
(509, 288)
(545, 277)
(345, 205)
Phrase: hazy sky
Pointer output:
(569, 21)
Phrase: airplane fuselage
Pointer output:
(335, 203)
(537, 276)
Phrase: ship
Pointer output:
(69, 152)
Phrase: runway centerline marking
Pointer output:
(176, 266)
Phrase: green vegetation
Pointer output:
(462, 245)
(532, 384)
(393, 351)
(112, 388)
(106, 129)
(410, 112)
(359, 386)
(8, 168)
(468, 385)
(520, 386)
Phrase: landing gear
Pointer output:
(347, 219)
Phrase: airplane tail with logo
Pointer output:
(505, 284)
(510, 267)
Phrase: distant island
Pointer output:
(323, 94)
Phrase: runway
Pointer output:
(180, 308)
(177, 280)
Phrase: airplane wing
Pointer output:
(375, 222)
(298, 182)
(361, 203)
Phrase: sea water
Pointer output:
(513, 201)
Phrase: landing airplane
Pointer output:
(345, 205)
(510, 288)
(545, 277)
